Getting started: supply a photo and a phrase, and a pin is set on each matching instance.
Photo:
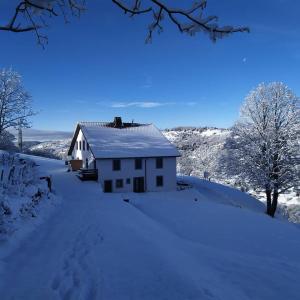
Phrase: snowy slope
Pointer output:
(157, 246)
(53, 149)
(201, 149)
(218, 193)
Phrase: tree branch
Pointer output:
(32, 15)
(193, 16)
(135, 10)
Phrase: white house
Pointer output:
(129, 157)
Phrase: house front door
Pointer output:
(138, 185)
(107, 186)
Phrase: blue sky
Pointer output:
(99, 66)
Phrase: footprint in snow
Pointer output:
(75, 277)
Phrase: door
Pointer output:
(138, 185)
(107, 186)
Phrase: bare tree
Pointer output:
(265, 142)
(15, 102)
(33, 15)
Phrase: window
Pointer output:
(128, 181)
(76, 145)
(83, 145)
(87, 146)
(119, 183)
(159, 181)
(79, 145)
(138, 163)
(116, 165)
(159, 163)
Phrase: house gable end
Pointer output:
(74, 140)
(77, 130)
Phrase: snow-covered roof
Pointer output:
(136, 140)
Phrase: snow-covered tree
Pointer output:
(190, 18)
(265, 142)
(15, 102)
(186, 165)
(7, 141)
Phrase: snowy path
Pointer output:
(55, 243)
(96, 246)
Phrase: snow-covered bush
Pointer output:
(21, 191)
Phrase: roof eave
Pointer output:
(132, 157)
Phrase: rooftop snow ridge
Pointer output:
(110, 124)
(84, 123)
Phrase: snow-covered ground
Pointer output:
(206, 242)
(219, 193)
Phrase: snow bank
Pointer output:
(25, 199)
(219, 193)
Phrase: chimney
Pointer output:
(118, 122)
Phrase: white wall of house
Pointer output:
(148, 171)
(168, 172)
(82, 153)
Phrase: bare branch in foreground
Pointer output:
(190, 21)
(32, 15)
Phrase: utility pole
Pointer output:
(20, 138)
